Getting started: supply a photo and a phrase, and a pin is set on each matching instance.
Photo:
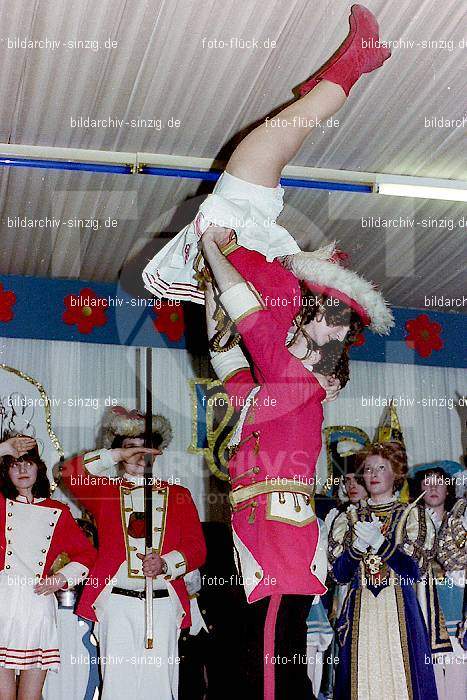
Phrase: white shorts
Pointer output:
(251, 210)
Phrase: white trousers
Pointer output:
(129, 670)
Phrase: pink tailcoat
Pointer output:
(287, 413)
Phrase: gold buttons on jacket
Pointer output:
(258, 574)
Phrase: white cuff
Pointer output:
(241, 300)
(74, 572)
(193, 582)
(226, 364)
(98, 462)
(176, 564)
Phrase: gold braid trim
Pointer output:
(224, 326)
(404, 641)
(354, 646)
(452, 553)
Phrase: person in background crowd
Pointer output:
(34, 530)
(438, 482)
(342, 445)
(382, 548)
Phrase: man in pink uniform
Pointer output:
(279, 552)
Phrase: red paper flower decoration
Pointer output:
(7, 300)
(85, 309)
(423, 335)
(169, 320)
(359, 340)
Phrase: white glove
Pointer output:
(359, 545)
(329, 519)
(370, 532)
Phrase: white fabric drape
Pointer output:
(81, 378)
(428, 411)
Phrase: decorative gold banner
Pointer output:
(213, 423)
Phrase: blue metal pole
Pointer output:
(208, 175)
(65, 165)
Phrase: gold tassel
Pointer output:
(296, 503)
(256, 447)
(252, 516)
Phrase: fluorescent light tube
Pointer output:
(400, 190)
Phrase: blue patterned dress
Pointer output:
(383, 640)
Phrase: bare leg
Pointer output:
(262, 155)
(30, 684)
(7, 684)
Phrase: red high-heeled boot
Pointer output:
(359, 53)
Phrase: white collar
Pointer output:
(23, 499)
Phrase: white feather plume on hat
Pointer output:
(318, 267)
(119, 421)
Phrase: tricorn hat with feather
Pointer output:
(120, 423)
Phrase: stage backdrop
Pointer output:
(80, 379)
(430, 402)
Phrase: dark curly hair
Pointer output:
(393, 451)
(41, 488)
(334, 361)
(335, 354)
(448, 480)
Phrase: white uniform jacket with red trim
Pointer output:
(31, 540)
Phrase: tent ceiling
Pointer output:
(166, 67)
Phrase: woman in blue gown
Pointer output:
(382, 549)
